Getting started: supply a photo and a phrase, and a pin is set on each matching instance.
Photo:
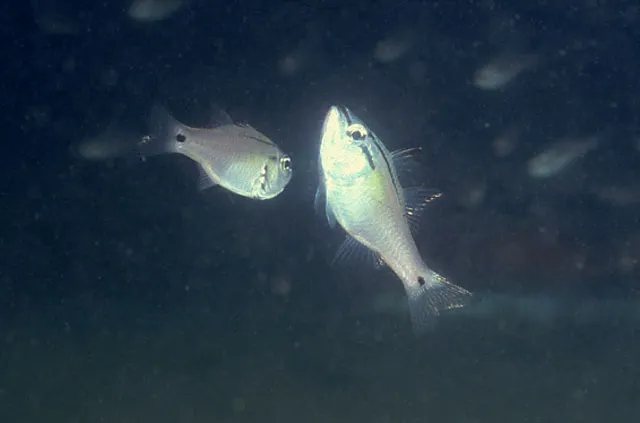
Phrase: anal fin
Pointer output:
(352, 250)
(205, 181)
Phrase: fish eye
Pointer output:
(357, 132)
(285, 162)
(180, 137)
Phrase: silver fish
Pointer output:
(503, 69)
(235, 156)
(112, 143)
(153, 10)
(559, 156)
(360, 190)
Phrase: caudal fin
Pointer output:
(165, 132)
(430, 295)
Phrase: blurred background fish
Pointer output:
(560, 155)
(501, 70)
(55, 17)
(154, 10)
(394, 46)
(112, 143)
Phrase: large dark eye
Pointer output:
(285, 162)
(180, 137)
(357, 135)
(357, 132)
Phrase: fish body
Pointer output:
(501, 70)
(394, 47)
(113, 143)
(360, 190)
(153, 10)
(560, 156)
(237, 157)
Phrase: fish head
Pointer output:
(275, 175)
(346, 151)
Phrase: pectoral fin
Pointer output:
(320, 203)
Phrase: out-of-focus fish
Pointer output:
(504, 144)
(394, 46)
(559, 156)
(617, 195)
(503, 69)
(235, 156)
(360, 190)
(54, 17)
(110, 144)
(153, 10)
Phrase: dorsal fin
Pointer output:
(406, 164)
(218, 117)
(416, 200)
(245, 125)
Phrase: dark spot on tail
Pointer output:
(421, 281)
(180, 137)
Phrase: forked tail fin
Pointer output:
(431, 294)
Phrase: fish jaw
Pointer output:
(341, 161)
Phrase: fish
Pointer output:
(153, 10)
(502, 70)
(113, 143)
(235, 156)
(306, 53)
(394, 46)
(360, 190)
(55, 18)
(506, 142)
(560, 156)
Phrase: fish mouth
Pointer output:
(336, 121)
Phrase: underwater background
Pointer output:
(126, 295)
